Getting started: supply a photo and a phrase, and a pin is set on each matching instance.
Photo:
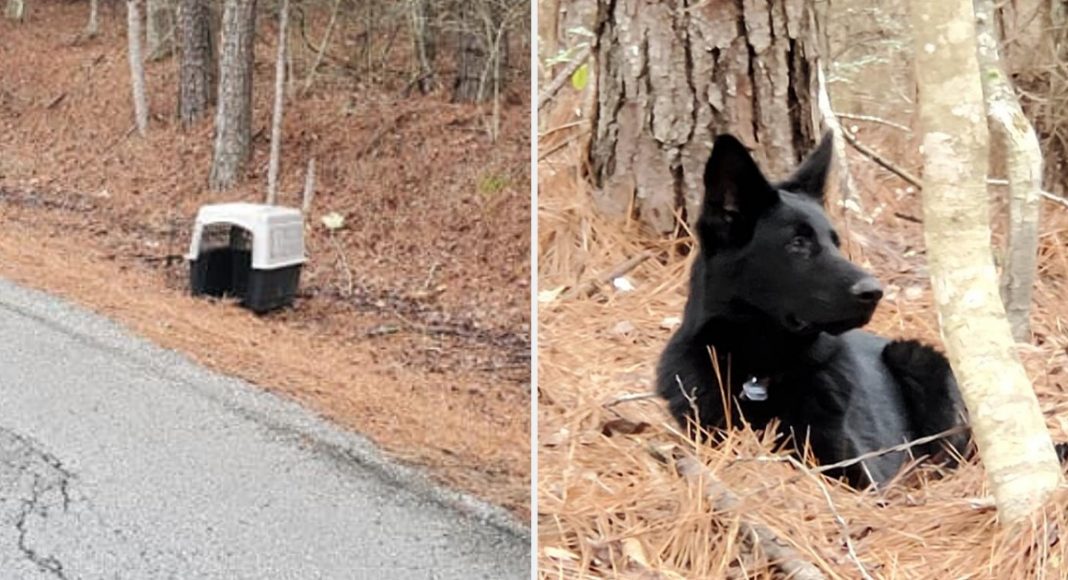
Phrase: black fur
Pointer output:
(773, 298)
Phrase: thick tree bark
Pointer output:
(233, 116)
(1009, 429)
(159, 30)
(279, 104)
(471, 58)
(1023, 165)
(137, 65)
(672, 74)
(196, 92)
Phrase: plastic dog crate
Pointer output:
(249, 251)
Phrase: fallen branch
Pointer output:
(783, 556)
(629, 397)
(881, 161)
(915, 181)
(591, 286)
(1054, 198)
(863, 456)
(561, 79)
(843, 526)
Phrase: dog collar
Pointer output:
(755, 389)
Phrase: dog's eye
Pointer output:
(835, 239)
(799, 244)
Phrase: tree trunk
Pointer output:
(471, 58)
(1015, 446)
(279, 104)
(672, 74)
(233, 115)
(159, 30)
(424, 40)
(93, 27)
(15, 9)
(137, 65)
(196, 91)
(1023, 167)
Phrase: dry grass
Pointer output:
(612, 503)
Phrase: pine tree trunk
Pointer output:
(233, 116)
(1013, 441)
(196, 91)
(672, 74)
(1023, 164)
(137, 65)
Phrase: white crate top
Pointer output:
(277, 232)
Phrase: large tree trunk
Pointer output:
(672, 74)
(137, 65)
(233, 116)
(1023, 168)
(196, 91)
(471, 58)
(1009, 429)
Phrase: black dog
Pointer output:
(775, 302)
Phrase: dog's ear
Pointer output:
(811, 177)
(736, 193)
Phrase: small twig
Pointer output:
(873, 119)
(1054, 198)
(309, 187)
(56, 101)
(552, 130)
(881, 161)
(908, 217)
(629, 397)
(591, 286)
(843, 526)
(900, 447)
(914, 181)
(542, 155)
(781, 554)
(561, 79)
(347, 291)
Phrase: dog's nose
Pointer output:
(868, 290)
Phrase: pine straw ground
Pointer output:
(612, 502)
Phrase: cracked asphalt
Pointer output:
(122, 460)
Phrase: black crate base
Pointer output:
(228, 272)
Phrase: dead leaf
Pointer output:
(558, 438)
(623, 427)
(633, 549)
(559, 553)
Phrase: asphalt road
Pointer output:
(122, 460)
